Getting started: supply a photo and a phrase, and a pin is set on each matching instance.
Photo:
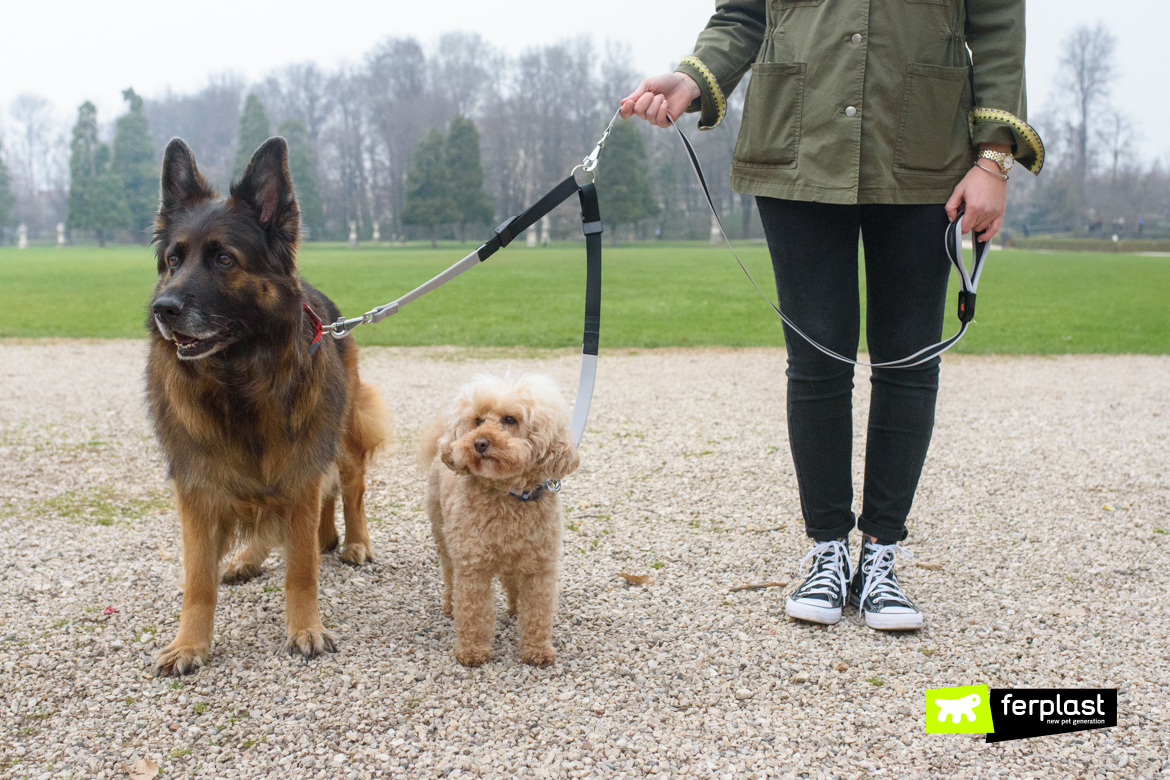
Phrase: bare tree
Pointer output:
(464, 72)
(401, 107)
(1087, 71)
(1117, 135)
(299, 92)
(348, 138)
(39, 157)
(619, 77)
(208, 120)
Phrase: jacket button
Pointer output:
(856, 38)
(851, 111)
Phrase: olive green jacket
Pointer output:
(865, 101)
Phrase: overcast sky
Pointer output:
(70, 51)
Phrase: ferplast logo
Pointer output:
(1018, 713)
(962, 710)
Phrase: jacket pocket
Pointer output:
(770, 132)
(932, 134)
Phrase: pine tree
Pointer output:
(254, 130)
(97, 196)
(623, 188)
(300, 167)
(133, 160)
(7, 199)
(461, 155)
(428, 188)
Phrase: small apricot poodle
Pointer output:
(493, 464)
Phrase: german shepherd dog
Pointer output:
(260, 413)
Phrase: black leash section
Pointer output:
(968, 281)
(508, 230)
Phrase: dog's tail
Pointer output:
(371, 423)
(429, 443)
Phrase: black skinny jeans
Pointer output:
(814, 255)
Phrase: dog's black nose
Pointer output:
(481, 446)
(168, 306)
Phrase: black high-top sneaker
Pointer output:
(821, 597)
(875, 590)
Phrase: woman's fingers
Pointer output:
(637, 93)
(642, 104)
(655, 109)
(663, 119)
(983, 200)
(955, 201)
(989, 229)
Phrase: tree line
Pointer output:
(367, 142)
(442, 143)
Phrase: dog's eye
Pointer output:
(509, 420)
(225, 260)
(478, 421)
(173, 261)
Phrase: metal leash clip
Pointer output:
(343, 327)
(589, 164)
(552, 485)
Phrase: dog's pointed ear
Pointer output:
(266, 189)
(181, 184)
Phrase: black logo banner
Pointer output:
(1020, 713)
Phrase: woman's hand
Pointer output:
(983, 196)
(657, 96)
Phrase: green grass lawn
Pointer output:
(654, 295)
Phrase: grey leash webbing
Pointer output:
(968, 280)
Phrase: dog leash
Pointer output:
(953, 238)
(509, 229)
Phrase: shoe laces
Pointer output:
(878, 570)
(830, 560)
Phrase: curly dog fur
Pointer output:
(499, 435)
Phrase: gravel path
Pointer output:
(1041, 520)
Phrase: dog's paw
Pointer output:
(174, 661)
(473, 656)
(239, 572)
(448, 610)
(539, 656)
(328, 546)
(311, 642)
(357, 554)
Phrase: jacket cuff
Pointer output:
(711, 101)
(993, 126)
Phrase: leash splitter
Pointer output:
(968, 280)
(507, 230)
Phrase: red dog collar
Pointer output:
(316, 342)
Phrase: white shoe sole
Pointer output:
(826, 616)
(906, 621)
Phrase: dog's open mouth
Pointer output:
(190, 347)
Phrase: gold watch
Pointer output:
(1003, 159)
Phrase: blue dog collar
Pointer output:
(551, 485)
